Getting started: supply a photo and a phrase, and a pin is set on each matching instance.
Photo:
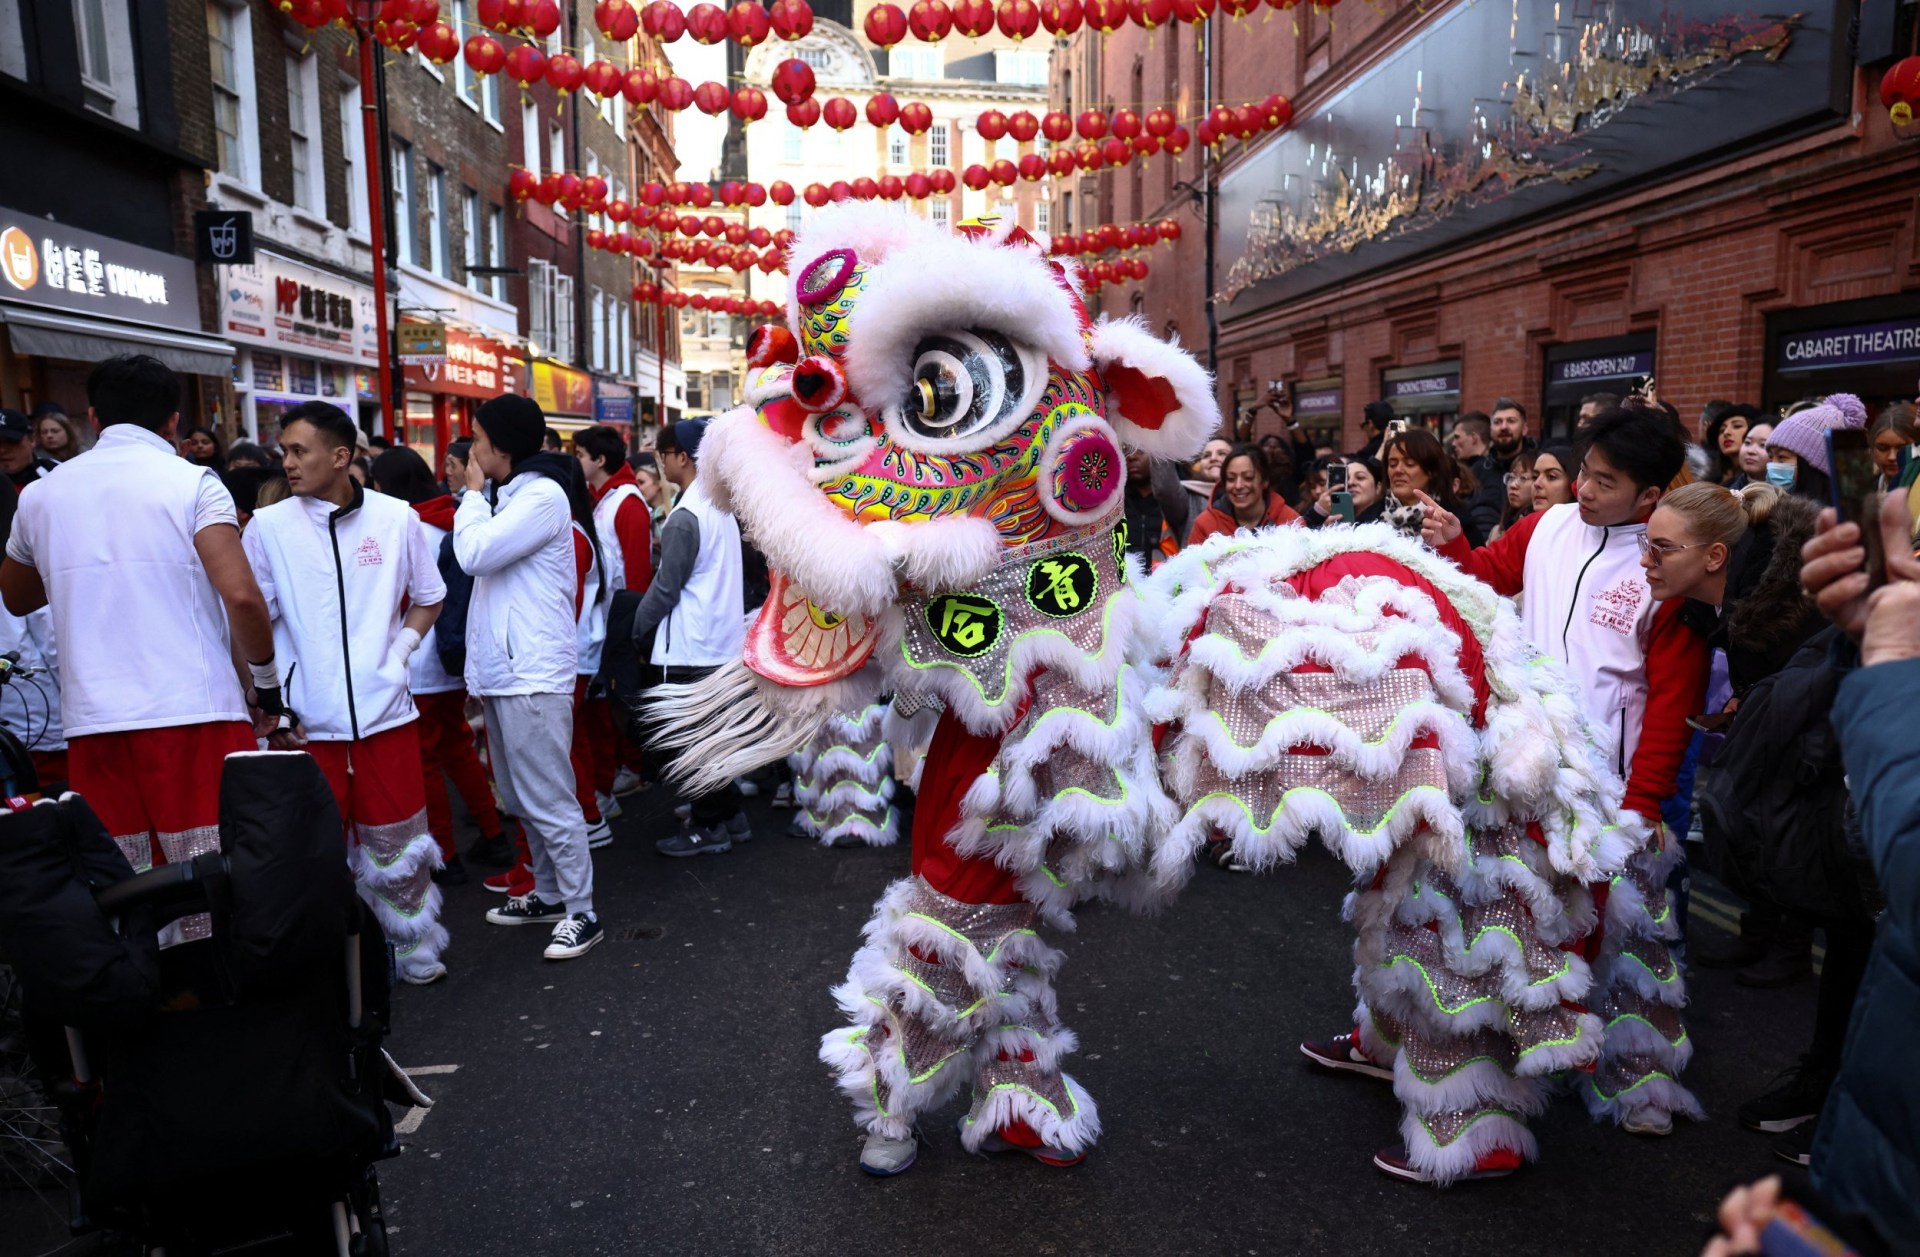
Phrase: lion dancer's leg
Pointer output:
(953, 986)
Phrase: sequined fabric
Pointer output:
(843, 781)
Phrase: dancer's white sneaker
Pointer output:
(883, 1157)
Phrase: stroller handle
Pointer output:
(184, 880)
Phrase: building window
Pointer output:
(530, 137)
(1066, 211)
(939, 211)
(794, 216)
(794, 144)
(1042, 215)
(556, 149)
(405, 226)
(937, 146)
(563, 334)
(105, 37)
(303, 134)
(916, 63)
(441, 261)
(896, 145)
(497, 248)
(540, 305)
(229, 43)
(476, 244)
(597, 330)
(353, 148)
(1025, 69)
(816, 58)
(465, 82)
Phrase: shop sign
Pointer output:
(223, 237)
(472, 366)
(1867, 344)
(423, 344)
(1317, 403)
(280, 304)
(612, 405)
(562, 390)
(1415, 387)
(1601, 367)
(63, 268)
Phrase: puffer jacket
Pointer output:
(1866, 1151)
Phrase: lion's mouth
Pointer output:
(794, 642)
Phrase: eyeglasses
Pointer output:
(1658, 552)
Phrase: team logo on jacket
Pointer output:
(1617, 607)
(367, 554)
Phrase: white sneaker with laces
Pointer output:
(627, 781)
(609, 805)
(599, 834)
(883, 1157)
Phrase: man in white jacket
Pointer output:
(522, 654)
(352, 586)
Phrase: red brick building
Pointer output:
(1473, 202)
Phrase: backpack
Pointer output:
(450, 640)
(1774, 807)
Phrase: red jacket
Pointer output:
(633, 528)
(1218, 519)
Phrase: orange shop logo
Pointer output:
(19, 259)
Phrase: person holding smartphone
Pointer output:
(1363, 480)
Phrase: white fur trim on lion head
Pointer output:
(1159, 399)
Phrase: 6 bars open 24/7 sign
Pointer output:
(50, 264)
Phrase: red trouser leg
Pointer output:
(581, 754)
(157, 791)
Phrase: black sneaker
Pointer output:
(495, 852)
(1797, 1098)
(1343, 1052)
(574, 936)
(1781, 966)
(527, 909)
(452, 873)
(695, 842)
(1796, 1146)
(739, 828)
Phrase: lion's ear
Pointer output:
(1158, 398)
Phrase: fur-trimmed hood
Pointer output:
(1771, 613)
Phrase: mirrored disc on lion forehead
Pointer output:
(963, 383)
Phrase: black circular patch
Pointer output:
(1062, 585)
(966, 624)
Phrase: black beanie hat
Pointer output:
(516, 425)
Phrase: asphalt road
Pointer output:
(661, 1095)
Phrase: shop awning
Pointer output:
(77, 339)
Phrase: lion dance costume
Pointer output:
(931, 458)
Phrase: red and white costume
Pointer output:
(625, 525)
(338, 581)
(446, 739)
(150, 698)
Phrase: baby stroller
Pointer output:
(228, 1093)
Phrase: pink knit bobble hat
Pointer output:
(1805, 433)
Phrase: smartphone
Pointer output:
(1855, 497)
(1793, 1232)
(1395, 427)
(1337, 477)
(1342, 505)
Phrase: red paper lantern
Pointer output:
(748, 23)
(891, 187)
(712, 98)
(759, 237)
(976, 177)
(485, 54)
(783, 238)
(1126, 124)
(780, 192)
(713, 226)
(639, 86)
(1145, 145)
(1004, 173)
(791, 19)
(699, 195)
(1033, 167)
(603, 78)
(1248, 121)
(566, 187)
(1087, 153)
(698, 301)
(642, 215)
(1105, 16)
(646, 292)
(1061, 161)
(619, 210)
(675, 94)
(749, 104)
(1150, 14)
(548, 191)
(706, 24)
(1192, 12)
(917, 186)
(882, 110)
(804, 114)
(1179, 140)
(756, 195)
(1277, 110)
(1208, 136)
(1057, 126)
(1900, 91)
(641, 247)
(690, 227)
(930, 20)
(839, 113)
(312, 14)
(521, 184)
(663, 20)
(423, 13)
(864, 189)
(596, 239)
(438, 43)
(1108, 236)
(1238, 8)
(769, 262)
(816, 194)
(943, 181)
(1061, 17)
(666, 221)
(915, 118)
(1092, 124)
(564, 72)
(886, 25)
(792, 81)
(733, 192)
(1023, 126)
(1136, 236)
(839, 190)
(1168, 229)
(973, 18)
(593, 189)
(617, 20)
(542, 17)
(1115, 151)
(1159, 123)
(1017, 19)
(652, 193)
(992, 124)
(499, 15)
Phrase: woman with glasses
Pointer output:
(1519, 486)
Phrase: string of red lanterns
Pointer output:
(647, 292)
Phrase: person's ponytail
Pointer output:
(1758, 500)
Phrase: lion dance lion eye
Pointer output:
(963, 383)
